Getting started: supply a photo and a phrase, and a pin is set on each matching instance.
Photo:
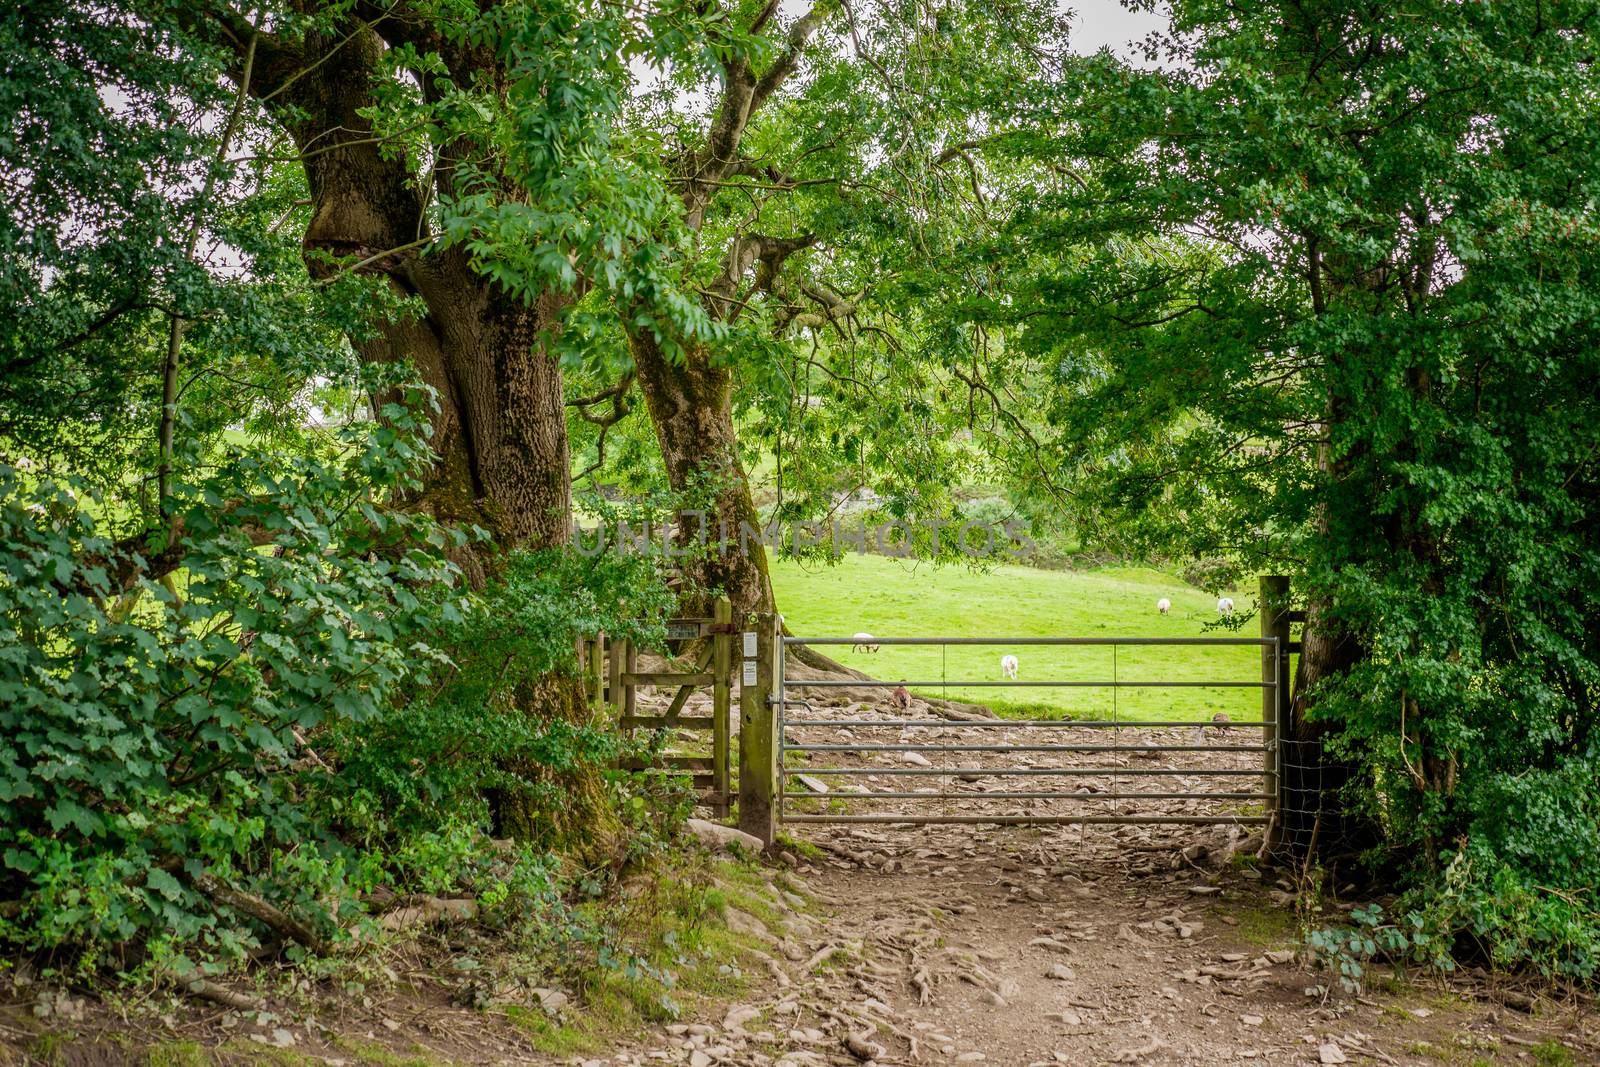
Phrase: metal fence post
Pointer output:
(758, 748)
(1274, 598)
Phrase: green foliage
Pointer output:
(87, 229)
(110, 114)
(153, 728)
(1498, 910)
(270, 675)
(1319, 295)
(465, 736)
(1553, 1054)
(1349, 951)
(155, 734)
(586, 213)
(1483, 905)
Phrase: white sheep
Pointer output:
(864, 642)
(1008, 666)
(1225, 607)
(1164, 606)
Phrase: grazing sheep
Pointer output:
(1008, 666)
(1164, 606)
(864, 642)
(1225, 607)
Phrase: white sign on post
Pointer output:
(749, 672)
(749, 643)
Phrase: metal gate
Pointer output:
(1074, 771)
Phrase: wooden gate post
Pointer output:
(614, 649)
(758, 736)
(721, 701)
(1274, 601)
(596, 674)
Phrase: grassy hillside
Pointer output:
(893, 598)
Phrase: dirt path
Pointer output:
(1025, 945)
(1041, 946)
(903, 945)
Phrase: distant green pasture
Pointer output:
(893, 598)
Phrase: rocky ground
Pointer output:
(1099, 944)
(1040, 946)
(898, 944)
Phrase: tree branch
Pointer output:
(621, 408)
(745, 251)
(263, 911)
(175, 325)
(742, 95)
(800, 35)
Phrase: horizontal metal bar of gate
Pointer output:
(986, 771)
(834, 683)
(1022, 820)
(1124, 641)
(1021, 795)
(1271, 646)
(1022, 748)
(963, 724)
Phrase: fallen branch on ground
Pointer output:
(222, 995)
(264, 912)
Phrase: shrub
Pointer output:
(306, 705)
(1212, 573)
(449, 748)
(152, 729)
(1503, 914)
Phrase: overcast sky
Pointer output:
(1098, 23)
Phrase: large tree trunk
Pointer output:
(1313, 819)
(500, 428)
(690, 406)
(690, 401)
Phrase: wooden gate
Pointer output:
(614, 678)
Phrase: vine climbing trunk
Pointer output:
(1313, 814)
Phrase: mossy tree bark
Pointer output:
(500, 429)
(690, 406)
(687, 394)
(500, 426)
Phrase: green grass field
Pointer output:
(894, 598)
